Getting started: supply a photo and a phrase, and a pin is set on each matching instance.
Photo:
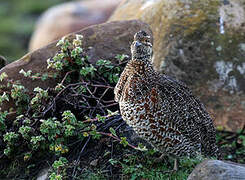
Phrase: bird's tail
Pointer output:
(209, 145)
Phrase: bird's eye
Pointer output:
(144, 33)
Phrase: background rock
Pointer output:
(204, 47)
(43, 174)
(103, 41)
(70, 17)
(218, 170)
(2, 61)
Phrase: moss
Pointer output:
(199, 45)
(193, 18)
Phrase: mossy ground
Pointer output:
(17, 20)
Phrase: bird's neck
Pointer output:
(140, 66)
(146, 57)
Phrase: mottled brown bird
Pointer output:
(162, 110)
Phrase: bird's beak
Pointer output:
(137, 44)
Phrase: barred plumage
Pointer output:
(162, 110)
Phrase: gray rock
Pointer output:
(69, 17)
(218, 170)
(43, 174)
(94, 163)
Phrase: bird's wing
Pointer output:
(120, 84)
(185, 110)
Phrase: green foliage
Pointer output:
(136, 167)
(108, 70)
(113, 132)
(4, 97)
(3, 76)
(100, 118)
(121, 57)
(124, 141)
(26, 74)
(59, 169)
(19, 94)
(51, 127)
(242, 140)
(10, 138)
(3, 116)
(72, 57)
(88, 71)
(233, 144)
(25, 131)
(36, 101)
(36, 141)
(29, 74)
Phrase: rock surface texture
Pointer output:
(103, 41)
(218, 170)
(70, 17)
(203, 47)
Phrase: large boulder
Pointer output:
(3, 62)
(70, 17)
(202, 43)
(218, 170)
(103, 41)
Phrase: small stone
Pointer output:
(218, 170)
(94, 162)
(242, 46)
(219, 48)
(43, 174)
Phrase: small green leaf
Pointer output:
(113, 161)
(44, 76)
(3, 76)
(113, 132)
(124, 141)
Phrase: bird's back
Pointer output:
(187, 113)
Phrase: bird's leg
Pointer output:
(175, 164)
(160, 159)
(164, 158)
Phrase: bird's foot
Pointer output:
(162, 158)
(176, 166)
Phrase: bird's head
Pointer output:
(141, 48)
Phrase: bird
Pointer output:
(161, 109)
